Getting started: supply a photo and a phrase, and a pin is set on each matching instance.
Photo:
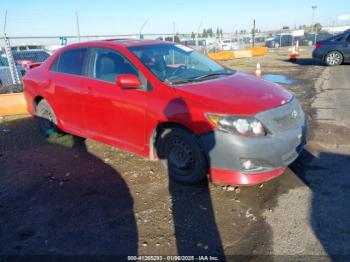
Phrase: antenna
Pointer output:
(143, 25)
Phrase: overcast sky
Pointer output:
(56, 17)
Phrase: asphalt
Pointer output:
(314, 218)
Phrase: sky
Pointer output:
(57, 17)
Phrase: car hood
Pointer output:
(237, 94)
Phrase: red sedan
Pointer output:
(164, 100)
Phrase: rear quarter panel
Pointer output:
(33, 86)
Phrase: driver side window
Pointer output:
(107, 64)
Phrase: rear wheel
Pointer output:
(334, 58)
(46, 118)
(181, 155)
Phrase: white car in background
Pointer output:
(227, 45)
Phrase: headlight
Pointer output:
(241, 125)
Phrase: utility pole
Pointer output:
(5, 22)
(197, 36)
(141, 28)
(314, 7)
(253, 33)
(78, 28)
(281, 38)
(174, 32)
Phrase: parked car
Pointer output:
(5, 74)
(27, 57)
(164, 100)
(334, 50)
(279, 41)
(227, 45)
(309, 39)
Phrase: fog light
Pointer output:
(247, 164)
(256, 165)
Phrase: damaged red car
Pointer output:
(162, 100)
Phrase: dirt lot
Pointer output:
(70, 197)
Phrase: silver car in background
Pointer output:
(5, 74)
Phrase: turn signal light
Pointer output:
(318, 46)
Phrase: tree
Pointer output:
(221, 34)
(317, 27)
(210, 32)
(217, 32)
(205, 33)
(193, 35)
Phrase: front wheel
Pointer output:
(181, 156)
(334, 58)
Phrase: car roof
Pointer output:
(120, 43)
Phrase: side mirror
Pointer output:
(128, 81)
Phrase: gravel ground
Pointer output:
(70, 197)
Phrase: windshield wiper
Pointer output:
(207, 76)
(198, 78)
(180, 81)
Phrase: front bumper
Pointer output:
(226, 152)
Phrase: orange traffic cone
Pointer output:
(293, 55)
(258, 70)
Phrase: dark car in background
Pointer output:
(279, 41)
(334, 50)
(27, 57)
(309, 39)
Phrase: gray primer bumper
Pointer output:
(278, 149)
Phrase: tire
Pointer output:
(181, 156)
(46, 119)
(334, 58)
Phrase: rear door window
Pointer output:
(72, 61)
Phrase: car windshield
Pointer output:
(177, 64)
(3, 61)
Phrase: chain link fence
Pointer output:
(23, 51)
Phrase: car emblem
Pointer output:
(294, 114)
